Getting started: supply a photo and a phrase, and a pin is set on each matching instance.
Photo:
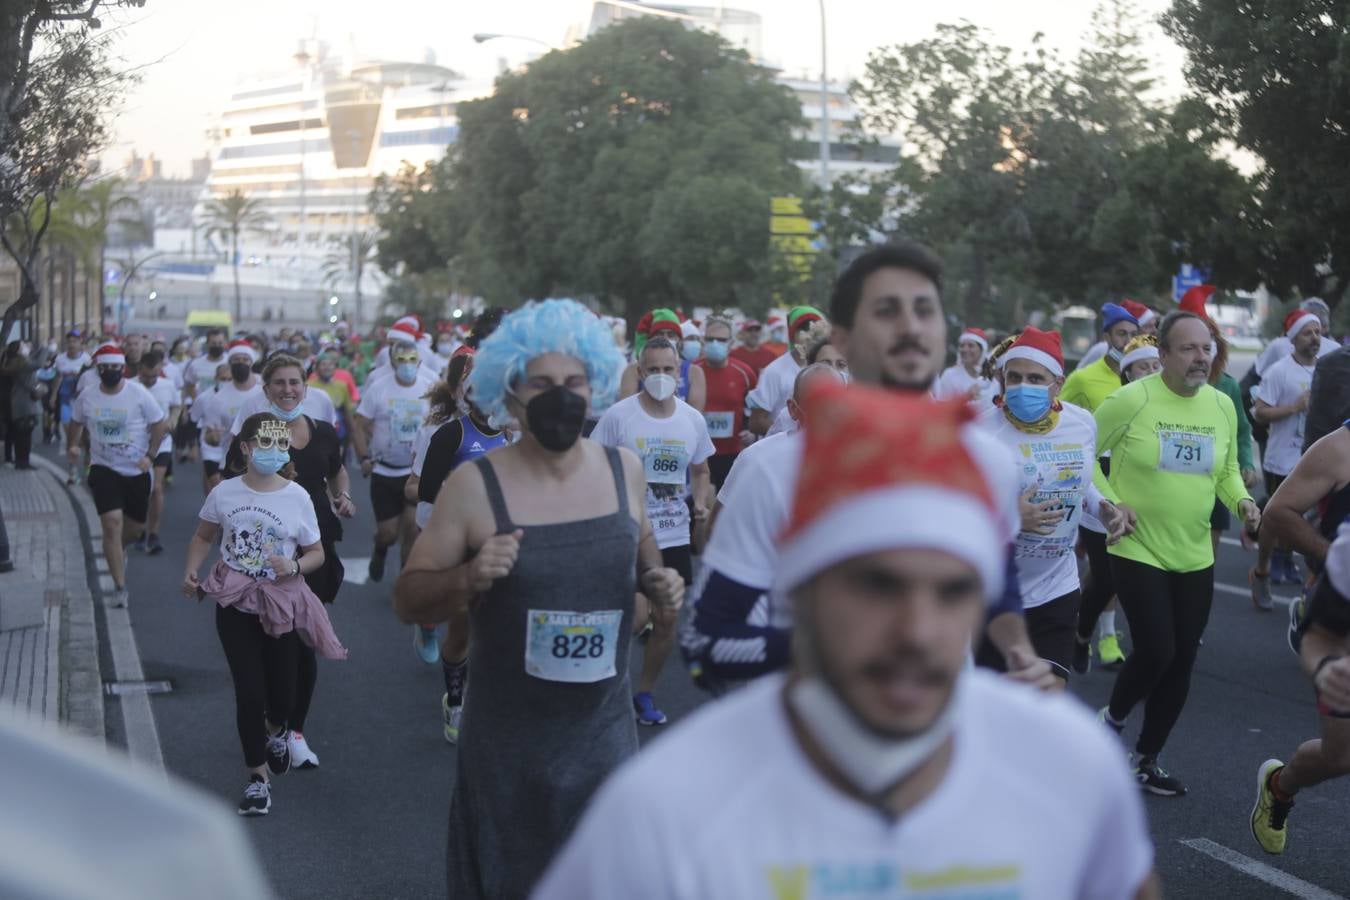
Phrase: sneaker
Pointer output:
(427, 645)
(647, 713)
(1297, 609)
(451, 715)
(376, 569)
(1104, 716)
(1260, 585)
(1269, 815)
(154, 547)
(1155, 780)
(257, 797)
(301, 756)
(1082, 656)
(119, 598)
(140, 543)
(1109, 652)
(278, 753)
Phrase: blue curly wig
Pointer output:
(539, 327)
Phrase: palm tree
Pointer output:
(349, 258)
(228, 217)
(99, 207)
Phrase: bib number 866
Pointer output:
(578, 646)
(665, 464)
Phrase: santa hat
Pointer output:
(1039, 347)
(883, 470)
(402, 332)
(241, 347)
(412, 321)
(690, 330)
(978, 336)
(801, 316)
(751, 325)
(1298, 320)
(1194, 300)
(110, 355)
(1146, 351)
(1113, 314)
(1142, 314)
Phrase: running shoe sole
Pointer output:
(426, 645)
(1262, 776)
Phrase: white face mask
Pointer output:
(659, 387)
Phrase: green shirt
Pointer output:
(1228, 384)
(1170, 456)
(1089, 386)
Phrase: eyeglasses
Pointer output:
(267, 442)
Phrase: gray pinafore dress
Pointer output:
(548, 714)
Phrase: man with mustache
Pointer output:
(879, 764)
(1173, 446)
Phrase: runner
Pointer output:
(1055, 443)
(264, 611)
(1140, 359)
(228, 398)
(730, 380)
(1146, 316)
(1280, 402)
(965, 379)
(545, 558)
(342, 393)
(1329, 396)
(775, 381)
(690, 384)
(456, 432)
(880, 765)
(169, 400)
(124, 423)
(404, 333)
(387, 419)
(749, 348)
(822, 352)
(1173, 445)
(1282, 346)
(671, 438)
(69, 365)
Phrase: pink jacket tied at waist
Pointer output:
(281, 606)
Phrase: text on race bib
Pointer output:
(720, 424)
(665, 459)
(572, 647)
(1185, 452)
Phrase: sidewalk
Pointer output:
(49, 672)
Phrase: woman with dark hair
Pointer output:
(456, 432)
(269, 537)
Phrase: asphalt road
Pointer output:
(371, 822)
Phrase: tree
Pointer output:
(229, 217)
(350, 257)
(1272, 75)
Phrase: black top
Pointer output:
(315, 464)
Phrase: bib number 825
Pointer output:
(578, 646)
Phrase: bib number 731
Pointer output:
(1185, 453)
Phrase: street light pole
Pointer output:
(356, 204)
(824, 109)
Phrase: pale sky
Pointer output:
(194, 51)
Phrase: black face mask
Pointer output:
(555, 418)
(110, 377)
(214, 352)
(240, 371)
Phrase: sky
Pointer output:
(191, 53)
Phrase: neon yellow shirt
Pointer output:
(1170, 457)
(1089, 386)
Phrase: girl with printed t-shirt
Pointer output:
(263, 607)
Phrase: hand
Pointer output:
(283, 566)
(367, 466)
(973, 392)
(1250, 477)
(73, 453)
(663, 587)
(1251, 515)
(700, 512)
(145, 463)
(1039, 518)
(344, 507)
(495, 559)
(191, 585)
(1333, 683)
(747, 437)
(1025, 666)
(1117, 523)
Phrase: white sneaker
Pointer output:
(118, 598)
(301, 756)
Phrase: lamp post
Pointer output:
(355, 137)
(824, 109)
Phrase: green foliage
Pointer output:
(228, 218)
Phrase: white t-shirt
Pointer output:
(1283, 383)
(732, 807)
(1060, 464)
(86, 381)
(316, 404)
(201, 372)
(667, 448)
(957, 382)
(222, 405)
(166, 395)
(65, 366)
(775, 385)
(1281, 347)
(118, 425)
(255, 525)
(420, 447)
(425, 373)
(783, 423)
(397, 412)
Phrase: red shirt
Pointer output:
(756, 359)
(725, 410)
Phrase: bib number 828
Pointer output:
(578, 646)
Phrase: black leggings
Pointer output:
(263, 669)
(1167, 612)
(1101, 583)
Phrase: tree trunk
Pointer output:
(234, 269)
(979, 283)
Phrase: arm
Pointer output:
(1007, 630)
(340, 492)
(311, 557)
(361, 429)
(1231, 489)
(1244, 426)
(1315, 476)
(1266, 414)
(157, 432)
(410, 488)
(628, 383)
(760, 421)
(698, 388)
(203, 539)
(1112, 419)
(73, 442)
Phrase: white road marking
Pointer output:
(1247, 592)
(1260, 871)
(1232, 542)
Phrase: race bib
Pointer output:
(720, 424)
(664, 460)
(1186, 453)
(573, 647)
(111, 426)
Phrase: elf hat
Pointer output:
(1038, 346)
(1195, 298)
(801, 316)
(1113, 314)
(883, 470)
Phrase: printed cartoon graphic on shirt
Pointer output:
(255, 535)
(884, 878)
(1059, 472)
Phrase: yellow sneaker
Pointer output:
(1109, 652)
(1270, 814)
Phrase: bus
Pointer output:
(200, 321)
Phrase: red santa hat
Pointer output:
(1038, 346)
(402, 332)
(1298, 320)
(978, 336)
(1142, 314)
(109, 355)
(241, 347)
(1194, 300)
(414, 322)
(883, 470)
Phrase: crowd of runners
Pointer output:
(880, 565)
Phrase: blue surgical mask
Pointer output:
(282, 414)
(406, 371)
(691, 350)
(1115, 355)
(1027, 402)
(716, 351)
(269, 461)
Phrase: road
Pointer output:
(371, 822)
